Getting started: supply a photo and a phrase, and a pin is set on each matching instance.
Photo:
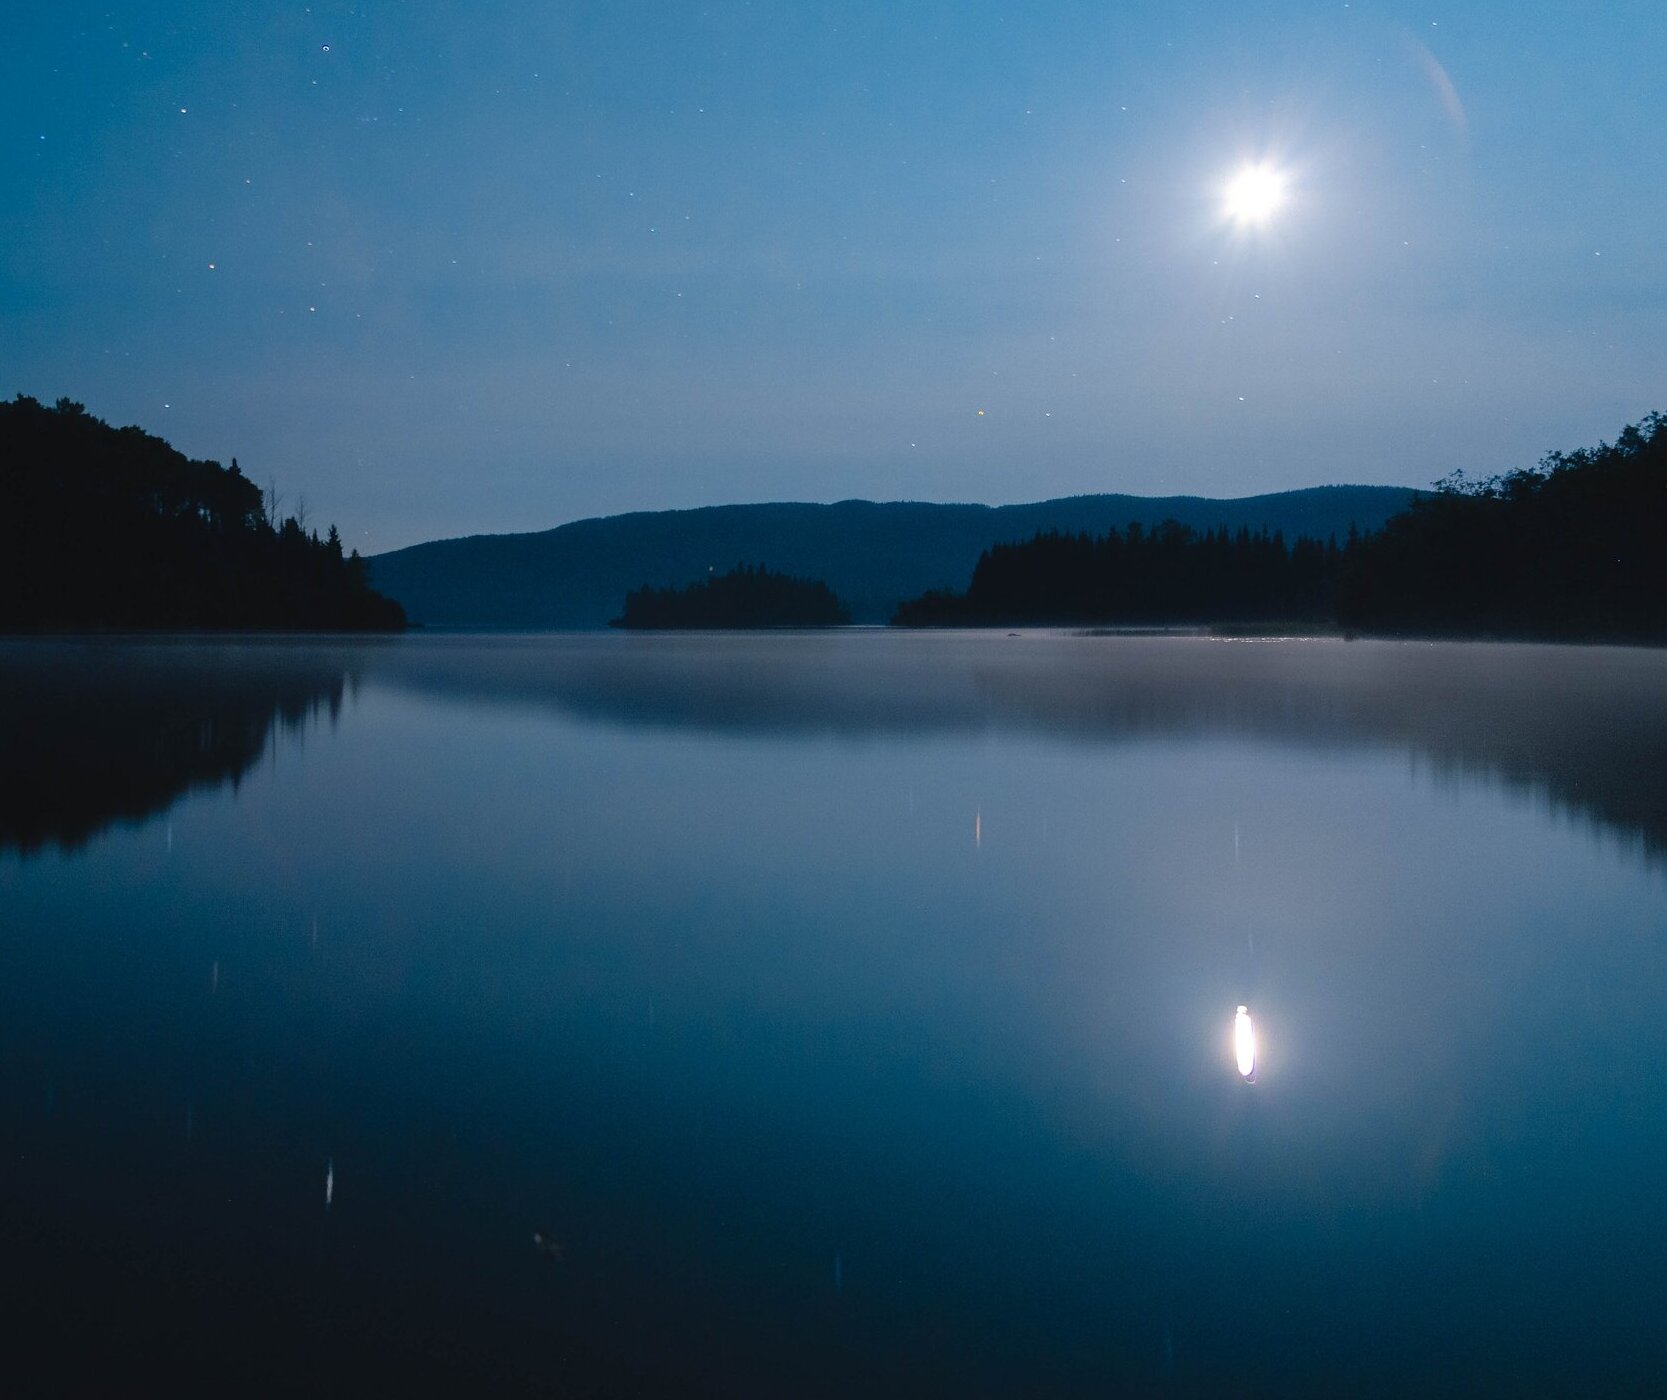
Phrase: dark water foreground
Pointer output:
(848, 1014)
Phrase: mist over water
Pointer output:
(842, 1013)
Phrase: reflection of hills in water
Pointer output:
(1584, 726)
(99, 732)
(95, 733)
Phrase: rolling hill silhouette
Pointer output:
(873, 555)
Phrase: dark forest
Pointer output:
(744, 597)
(106, 528)
(1573, 550)
(1170, 575)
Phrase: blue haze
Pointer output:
(499, 266)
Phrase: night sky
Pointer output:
(450, 268)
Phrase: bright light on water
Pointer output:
(1244, 1042)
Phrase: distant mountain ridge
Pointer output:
(872, 554)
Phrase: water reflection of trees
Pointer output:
(92, 734)
(97, 733)
(1585, 727)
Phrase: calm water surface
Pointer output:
(849, 1014)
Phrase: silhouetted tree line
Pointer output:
(1171, 574)
(1575, 549)
(744, 597)
(104, 527)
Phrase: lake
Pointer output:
(844, 1013)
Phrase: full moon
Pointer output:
(1253, 195)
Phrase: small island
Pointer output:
(745, 597)
(112, 529)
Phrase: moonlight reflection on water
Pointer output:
(1244, 1044)
(445, 877)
